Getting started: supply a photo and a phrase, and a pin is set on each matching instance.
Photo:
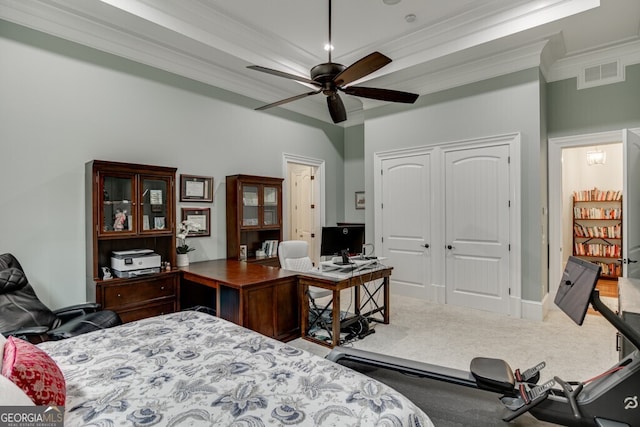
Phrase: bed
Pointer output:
(191, 368)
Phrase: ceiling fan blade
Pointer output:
(336, 108)
(381, 94)
(293, 98)
(361, 68)
(283, 74)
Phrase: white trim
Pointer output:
(533, 310)
(436, 289)
(555, 147)
(569, 67)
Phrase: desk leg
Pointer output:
(304, 310)
(335, 318)
(385, 291)
(356, 291)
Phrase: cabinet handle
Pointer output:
(119, 295)
(162, 288)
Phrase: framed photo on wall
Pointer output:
(195, 188)
(359, 199)
(200, 216)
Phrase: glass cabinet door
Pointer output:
(250, 206)
(270, 214)
(154, 205)
(117, 213)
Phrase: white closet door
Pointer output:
(477, 223)
(406, 220)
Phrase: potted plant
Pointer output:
(183, 248)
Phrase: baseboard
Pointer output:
(519, 308)
(533, 310)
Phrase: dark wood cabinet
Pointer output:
(131, 206)
(138, 298)
(254, 216)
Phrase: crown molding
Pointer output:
(628, 53)
(205, 45)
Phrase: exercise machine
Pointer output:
(612, 399)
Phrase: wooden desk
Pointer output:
(264, 299)
(354, 280)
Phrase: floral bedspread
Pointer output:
(191, 368)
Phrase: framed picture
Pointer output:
(196, 188)
(200, 216)
(155, 200)
(359, 199)
(243, 252)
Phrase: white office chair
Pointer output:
(294, 256)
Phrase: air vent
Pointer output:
(601, 74)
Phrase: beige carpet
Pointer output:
(451, 336)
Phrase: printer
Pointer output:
(135, 262)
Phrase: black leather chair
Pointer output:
(23, 315)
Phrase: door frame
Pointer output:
(318, 194)
(436, 289)
(555, 147)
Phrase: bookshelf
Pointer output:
(597, 229)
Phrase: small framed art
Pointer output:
(195, 188)
(359, 199)
(200, 216)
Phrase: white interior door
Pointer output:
(631, 205)
(406, 221)
(477, 227)
(302, 206)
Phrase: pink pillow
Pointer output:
(33, 371)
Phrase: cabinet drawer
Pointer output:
(146, 311)
(132, 293)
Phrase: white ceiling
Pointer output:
(450, 42)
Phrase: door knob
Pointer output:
(426, 245)
(450, 247)
(631, 261)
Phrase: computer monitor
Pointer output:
(579, 279)
(335, 240)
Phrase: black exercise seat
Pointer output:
(493, 375)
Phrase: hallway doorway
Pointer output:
(582, 171)
(304, 201)
(569, 171)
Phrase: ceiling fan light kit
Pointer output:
(331, 77)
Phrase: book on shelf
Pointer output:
(596, 213)
(596, 194)
(270, 247)
(599, 232)
(610, 269)
(597, 250)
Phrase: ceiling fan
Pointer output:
(331, 77)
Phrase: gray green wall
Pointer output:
(353, 172)
(62, 104)
(602, 108)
